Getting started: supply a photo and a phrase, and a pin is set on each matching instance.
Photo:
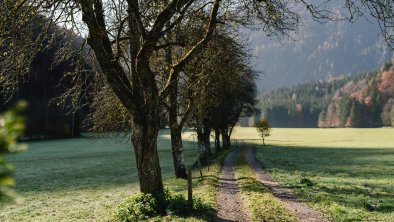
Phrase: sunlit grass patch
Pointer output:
(345, 173)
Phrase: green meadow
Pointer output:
(85, 179)
(348, 174)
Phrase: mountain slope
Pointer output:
(317, 52)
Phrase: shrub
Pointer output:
(136, 208)
(178, 206)
(142, 206)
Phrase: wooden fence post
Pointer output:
(200, 168)
(190, 188)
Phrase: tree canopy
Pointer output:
(125, 36)
(264, 128)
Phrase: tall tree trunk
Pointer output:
(217, 140)
(228, 141)
(225, 138)
(138, 91)
(207, 139)
(177, 153)
(175, 127)
(200, 140)
(202, 149)
(144, 139)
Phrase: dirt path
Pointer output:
(230, 204)
(300, 210)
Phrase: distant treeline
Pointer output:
(354, 101)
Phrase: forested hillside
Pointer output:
(317, 52)
(364, 100)
(39, 76)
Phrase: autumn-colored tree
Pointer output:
(264, 128)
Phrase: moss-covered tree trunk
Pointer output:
(207, 139)
(137, 87)
(175, 126)
(177, 153)
(217, 140)
(145, 129)
(201, 143)
(225, 138)
(141, 99)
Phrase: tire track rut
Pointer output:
(230, 204)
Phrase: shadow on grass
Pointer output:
(251, 184)
(359, 178)
(201, 210)
(359, 162)
(85, 163)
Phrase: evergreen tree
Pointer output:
(376, 108)
(322, 118)
(355, 114)
(344, 110)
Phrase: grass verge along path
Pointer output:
(263, 206)
(293, 204)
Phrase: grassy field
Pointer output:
(348, 174)
(85, 179)
(345, 173)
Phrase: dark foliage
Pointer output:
(44, 81)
